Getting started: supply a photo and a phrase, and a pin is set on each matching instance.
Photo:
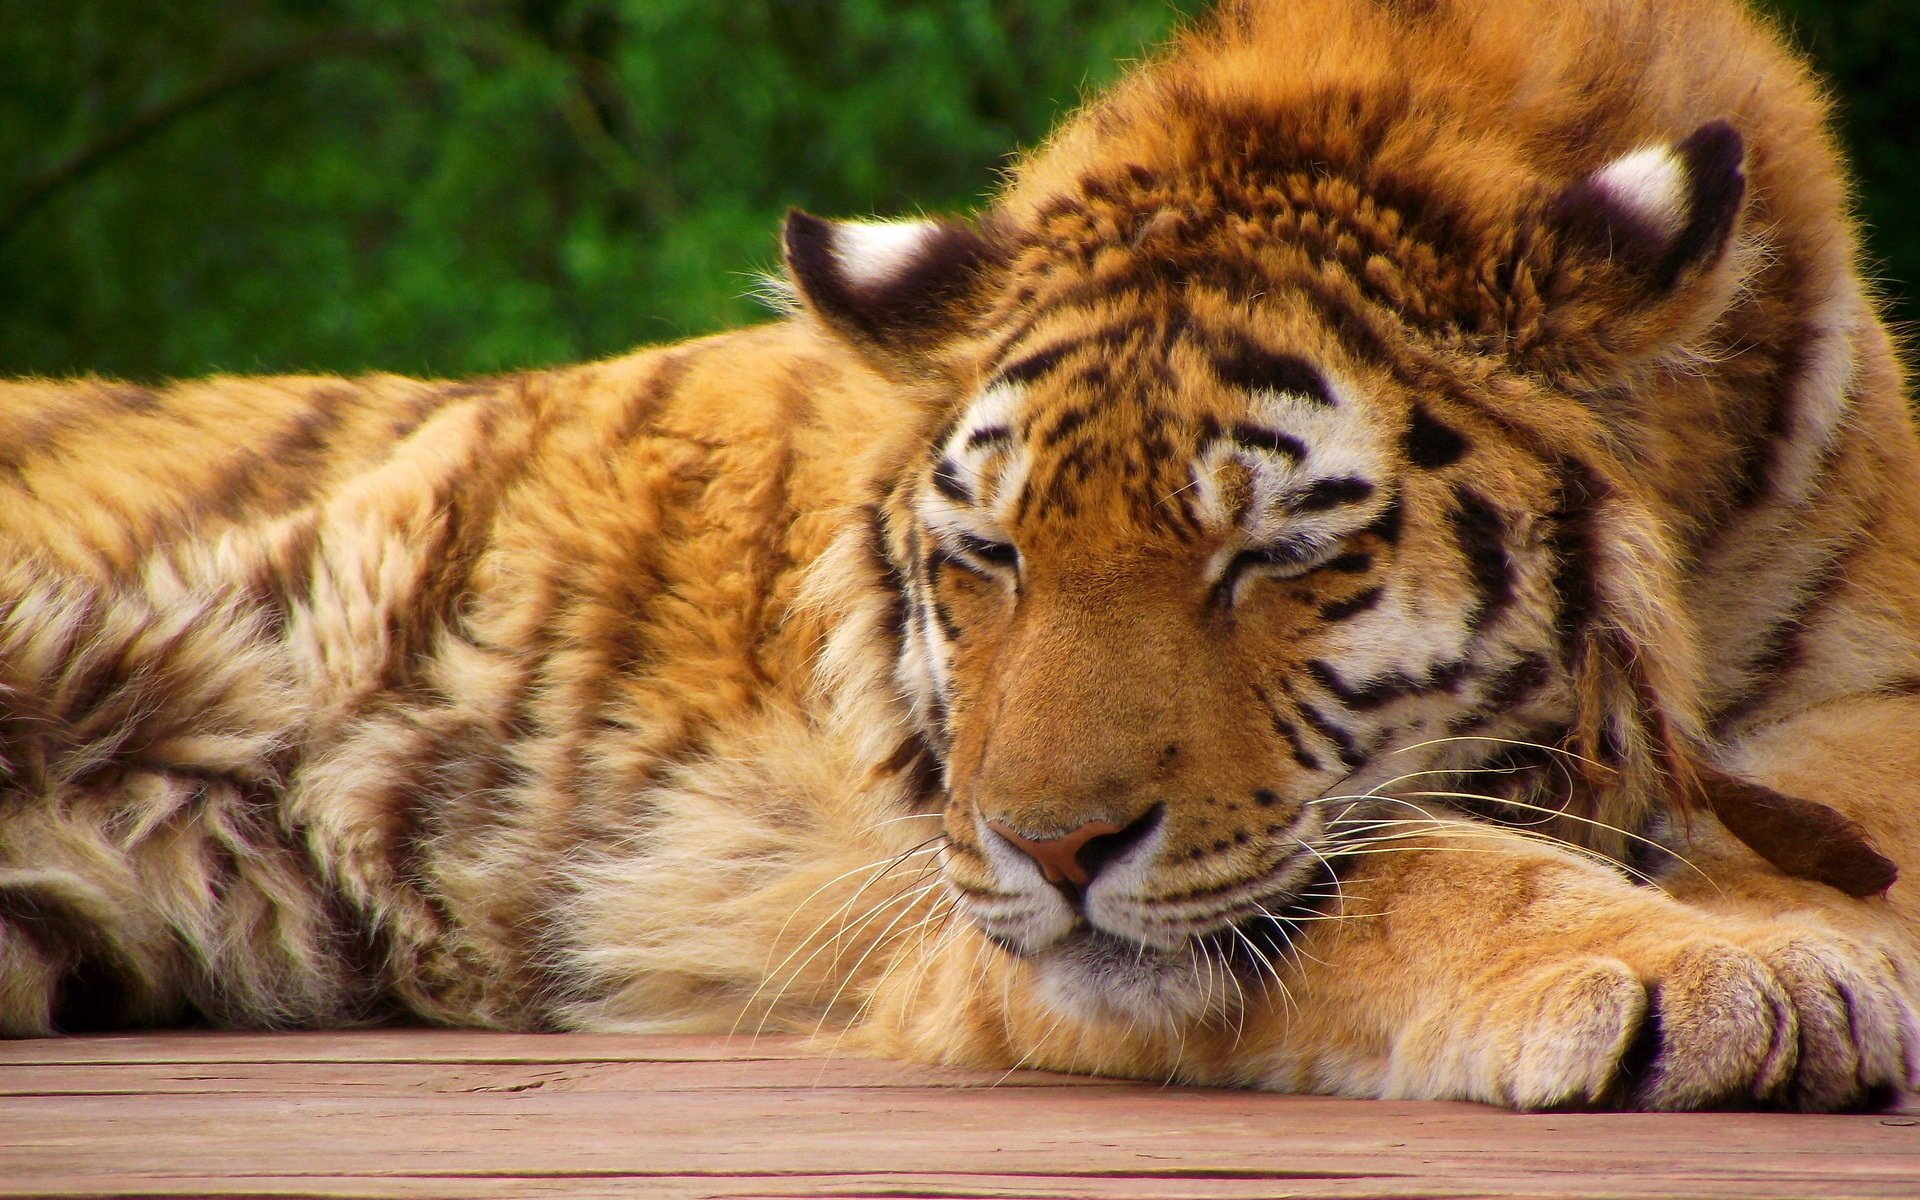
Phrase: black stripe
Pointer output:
(287, 468)
(1302, 754)
(1612, 749)
(656, 391)
(987, 551)
(1571, 540)
(1341, 741)
(1380, 690)
(940, 712)
(1029, 496)
(1267, 440)
(1324, 494)
(1012, 337)
(1030, 367)
(1254, 368)
(1280, 554)
(946, 481)
(1035, 364)
(1507, 785)
(1481, 534)
(93, 984)
(1181, 517)
(1354, 328)
(914, 762)
(137, 400)
(1340, 610)
(1514, 684)
(1064, 424)
(1431, 444)
(989, 435)
(894, 583)
(1761, 443)
(1780, 650)
(1388, 524)
(426, 403)
(1384, 689)
(948, 625)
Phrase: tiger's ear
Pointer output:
(1640, 255)
(1663, 213)
(894, 288)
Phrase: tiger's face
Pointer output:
(1184, 582)
(1208, 584)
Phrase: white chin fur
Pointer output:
(1099, 978)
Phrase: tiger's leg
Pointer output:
(1482, 967)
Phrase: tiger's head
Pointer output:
(1260, 503)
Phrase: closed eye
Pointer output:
(1288, 559)
(984, 555)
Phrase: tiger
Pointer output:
(1383, 561)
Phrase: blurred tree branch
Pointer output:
(144, 124)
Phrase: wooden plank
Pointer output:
(837, 1132)
(1197, 1186)
(398, 1045)
(333, 1078)
(429, 1113)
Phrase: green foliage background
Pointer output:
(473, 185)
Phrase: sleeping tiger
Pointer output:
(1385, 562)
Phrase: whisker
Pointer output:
(880, 940)
(1262, 960)
(1192, 483)
(1548, 814)
(936, 918)
(1551, 813)
(1562, 751)
(1435, 829)
(1034, 1047)
(831, 943)
(768, 970)
(932, 816)
(1281, 923)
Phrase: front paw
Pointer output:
(1779, 1018)
(1856, 1034)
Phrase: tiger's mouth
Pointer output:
(1215, 975)
(1125, 949)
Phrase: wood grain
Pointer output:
(413, 1113)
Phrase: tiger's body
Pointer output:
(1280, 602)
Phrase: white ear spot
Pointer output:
(1650, 183)
(872, 254)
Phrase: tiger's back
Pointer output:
(309, 682)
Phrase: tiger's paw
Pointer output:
(1849, 1018)
(1784, 1018)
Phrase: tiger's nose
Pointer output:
(1073, 859)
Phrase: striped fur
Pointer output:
(1425, 475)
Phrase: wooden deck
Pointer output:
(410, 1113)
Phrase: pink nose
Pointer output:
(1059, 857)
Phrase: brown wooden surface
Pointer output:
(409, 1113)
